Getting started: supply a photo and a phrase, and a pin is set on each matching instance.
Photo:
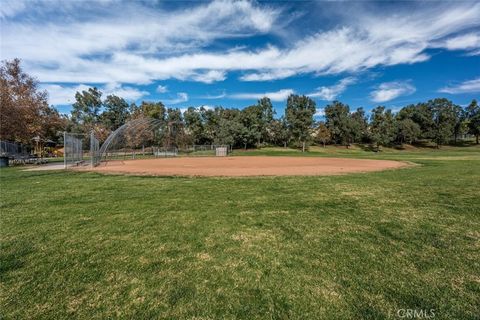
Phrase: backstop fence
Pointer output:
(94, 150)
(137, 139)
(80, 149)
(73, 149)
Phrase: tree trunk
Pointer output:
(285, 144)
(324, 144)
(477, 138)
(303, 146)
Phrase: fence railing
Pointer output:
(14, 150)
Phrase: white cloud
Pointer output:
(280, 95)
(181, 97)
(126, 43)
(466, 41)
(474, 53)
(214, 97)
(332, 92)
(469, 86)
(320, 112)
(268, 75)
(10, 8)
(125, 92)
(161, 89)
(79, 49)
(390, 90)
(63, 95)
(209, 76)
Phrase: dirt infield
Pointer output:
(246, 166)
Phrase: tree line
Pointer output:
(25, 113)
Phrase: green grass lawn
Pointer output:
(359, 246)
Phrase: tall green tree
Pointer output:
(382, 127)
(175, 133)
(251, 118)
(266, 116)
(422, 115)
(299, 116)
(359, 125)
(230, 129)
(407, 131)
(278, 132)
(338, 121)
(460, 125)
(155, 110)
(473, 119)
(116, 112)
(211, 121)
(194, 125)
(323, 134)
(444, 119)
(86, 110)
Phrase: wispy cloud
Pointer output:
(332, 92)
(181, 97)
(209, 76)
(139, 42)
(161, 89)
(214, 97)
(470, 41)
(391, 90)
(79, 49)
(64, 94)
(469, 86)
(268, 75)
(11, 8)
(280, 95)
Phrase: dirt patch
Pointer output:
(247, 166)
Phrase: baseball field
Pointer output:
(365, 245)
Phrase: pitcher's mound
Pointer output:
(247, 166)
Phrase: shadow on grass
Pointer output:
(13, 254)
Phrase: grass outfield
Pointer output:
(359, 246)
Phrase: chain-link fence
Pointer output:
(80, 149)
(13, 150)
(94, 150)
(203, 150)
(17, 153)
(152, 138)
(73, 149)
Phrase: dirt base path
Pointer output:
(247, 166)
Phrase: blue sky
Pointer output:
(364, 53)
